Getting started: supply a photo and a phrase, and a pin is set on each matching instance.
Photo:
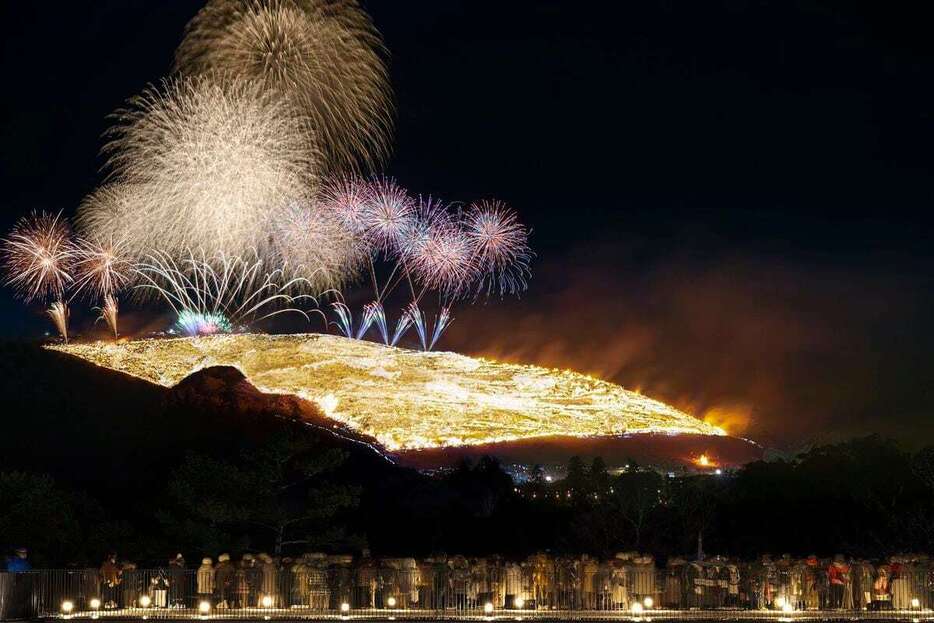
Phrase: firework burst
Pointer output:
(316, 243)
(347, 196)
(100, 268)
(193, 323)
(323, 56)
(38, 257)
(237, 289)
(389, 217)
(438, 252)
(500, 247)
(195, 165)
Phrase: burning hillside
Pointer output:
(406, 399)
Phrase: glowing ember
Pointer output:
(406, 399)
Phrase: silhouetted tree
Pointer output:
(635, 496)
(56, 525)
(278, 493)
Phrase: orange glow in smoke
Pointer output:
(734, 419)
(704, 461)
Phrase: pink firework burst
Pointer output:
(38, 257)
(347, 196)
(389, 216)
(100, 268)
(500, 247)
(438, 252)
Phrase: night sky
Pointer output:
(729, 199)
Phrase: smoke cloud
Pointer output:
(779, 352)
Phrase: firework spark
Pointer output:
(402, 325)
(344, 319)
(101, 269)
(323, 56)
(193, 323)
(500, 247)
(239, 290)
(109, 313)
(58, 312)
(442, 321)
(195, 165)
(38, 256)
(367, 321)
(379, 319)
(417, 320)
(374, 314)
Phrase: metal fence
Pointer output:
(539, 587)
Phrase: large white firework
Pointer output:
(199, 165)
(324, 56)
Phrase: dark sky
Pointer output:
(729, 199)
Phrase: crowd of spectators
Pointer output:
(626, 581)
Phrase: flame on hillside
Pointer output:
(406, 399)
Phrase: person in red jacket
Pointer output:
(837, 573)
